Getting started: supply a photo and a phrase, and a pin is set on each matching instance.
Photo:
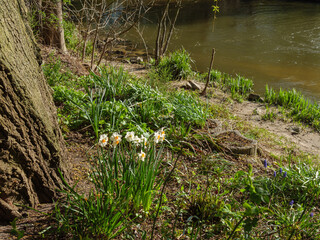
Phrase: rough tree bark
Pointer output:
(31, 144)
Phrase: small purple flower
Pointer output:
(285, 174)
(291, 202)
(311, 214)
(280, 170)
(274, 173)
(265, 163)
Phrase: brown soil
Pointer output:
(307, 140)
(211, 124)
(247, 113)
(232, 139)
(70, 62)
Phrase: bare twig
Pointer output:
(163, 35)
(204, 92)
(123, 31)
(172, 27)
(143, 41)
(114, 17)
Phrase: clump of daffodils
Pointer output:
(115, 138)
(159, 136)
(103, 140)
(132, 138)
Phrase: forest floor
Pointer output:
(277, 136)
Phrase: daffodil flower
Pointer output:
(157, 137)
(103, 140)
(143, 140)
(162, 135)
(142, 156)
(162, 132)
(136, 140)
(129, 136)
(116, 139)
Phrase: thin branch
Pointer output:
(172, 27)
(204, 92)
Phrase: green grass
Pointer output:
(299, 108)
(269, 115)
(239, 87)
(285, 199)
(189, 108)
(176, 66)
(112, 100)
(54, 73)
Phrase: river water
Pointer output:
(270, 41)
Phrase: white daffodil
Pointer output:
(142, 156)
(103, 140)
(162, 135)
(116, 139)
(143, 140)
(136, 140)
(162, 131)
(129, 136)
(115, 143)
(157, 137)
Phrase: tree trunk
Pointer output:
(52, 31)
(31, 144)
(61, 43)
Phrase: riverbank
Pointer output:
(271, 42)
(206, 170)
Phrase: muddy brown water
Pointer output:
(270, 41)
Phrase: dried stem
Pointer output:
(204, 92)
